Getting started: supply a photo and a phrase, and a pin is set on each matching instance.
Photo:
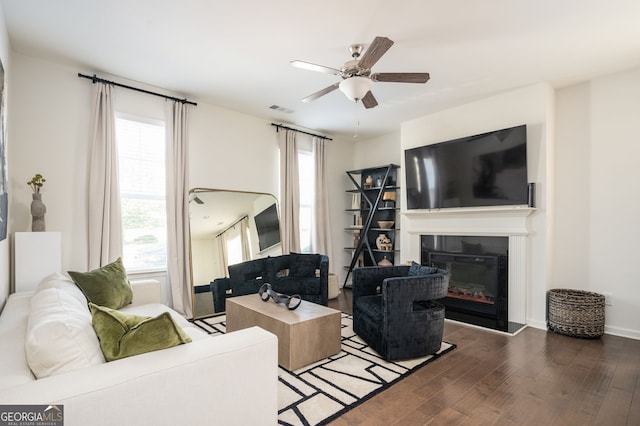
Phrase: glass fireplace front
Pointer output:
(478, 277)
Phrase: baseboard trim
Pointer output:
(613, 331)
(542, 325)
(622, 332)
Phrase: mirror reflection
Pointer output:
(227, 227)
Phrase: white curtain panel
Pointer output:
(223, 260)
(321, 227)
(289, 191)
(178, 256)
(244, 237)
(104, 222)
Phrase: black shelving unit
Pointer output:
(370, 185)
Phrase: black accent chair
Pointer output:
(304, 274)
(244, 278)
(219, 289)
(395, 310)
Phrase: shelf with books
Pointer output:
(373, 217)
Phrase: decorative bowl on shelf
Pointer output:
(389, 196)
(386, 224)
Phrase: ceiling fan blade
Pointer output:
(369, 101)
(378, 47)
(322, 92)
(401, 77)
(313, 67)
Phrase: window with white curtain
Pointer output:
(141, 156)
(234, 250)
(306, 170)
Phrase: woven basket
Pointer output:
(576, 313)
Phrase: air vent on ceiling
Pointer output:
(281, 109)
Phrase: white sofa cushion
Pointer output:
(14, 369)
(59, 281)
(60, 337)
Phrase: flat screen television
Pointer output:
(489, 169)
(268, 227)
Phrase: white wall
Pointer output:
(4, 244)
(378, 151)
(49, 136)
(572, 188)
(532, 106)
(597, 180)
(341, 154)
(50, 127)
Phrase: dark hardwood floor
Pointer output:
(533, 378)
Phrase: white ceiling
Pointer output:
(236, 54)
(206, 220)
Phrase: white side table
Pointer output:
(36, 255)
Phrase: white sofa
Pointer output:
(229, 379)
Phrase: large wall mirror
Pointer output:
(228, 227)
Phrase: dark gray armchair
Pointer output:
(301, 273)
(304, 274)
(395, 310)
(244, 278)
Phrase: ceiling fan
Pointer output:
(356, 74)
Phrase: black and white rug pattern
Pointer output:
(320, 392)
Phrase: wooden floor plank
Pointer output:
(634, 410)
(615, 408)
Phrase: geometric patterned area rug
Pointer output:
(321, 392)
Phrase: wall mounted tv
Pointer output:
(268, 227)
(489, 169)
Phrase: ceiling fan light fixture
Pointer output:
(355, 88)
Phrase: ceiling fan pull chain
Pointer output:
(357, 123)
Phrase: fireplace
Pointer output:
(478, 277)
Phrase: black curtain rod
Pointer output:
(96, 79)
(280, 126)
(232, 225)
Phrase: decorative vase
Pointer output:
(355, 201)
(368, 182)
(383, 242)
(356, 239)
(38, 209)
(385, 262)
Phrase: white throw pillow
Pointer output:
(60, 337)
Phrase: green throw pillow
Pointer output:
(122, 335)
(106, 286)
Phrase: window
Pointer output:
(306, 170)
(141, 155)
(235, 242)
(234, 250)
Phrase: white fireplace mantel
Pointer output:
(512, 222)
(477, 221)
